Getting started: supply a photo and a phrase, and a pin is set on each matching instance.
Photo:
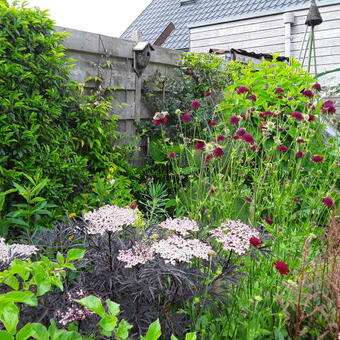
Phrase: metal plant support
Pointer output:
(313, 19)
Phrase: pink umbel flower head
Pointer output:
(109, 218)
(308, 93)
(178, 249)
(328, 202)
(140, 253)
(234, 120)
(282, 267)
(328, 107)
(195, 104)
(185, 118)
(242, 89)
(234, 236)
(297, 115)
(181, 225)
(317, 159)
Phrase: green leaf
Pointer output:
(75, 254)
(108, 323)
(113, 307)
(34, 330)
(9, 316)
(122, 331)
(5, 336)
(17, 296)
(154, 331)
(190, 336)
(94, 304)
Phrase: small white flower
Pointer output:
(112, 181)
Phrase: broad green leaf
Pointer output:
(5, 336)
(190, 336)
(75, 254)
(154, 331)
(108, 323)
(94, 304)
(33, 330)
(113, 307)
(123, 330)
(9, 316)
(17, 296)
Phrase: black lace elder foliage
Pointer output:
(46, 123)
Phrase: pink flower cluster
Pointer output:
(182, 225)
(140, 253)
(109, 218)
(235, 236)
(9, 252)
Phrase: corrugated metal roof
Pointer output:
(160, 13)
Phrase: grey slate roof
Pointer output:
(157, 16)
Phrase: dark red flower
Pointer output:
(207, 94)
(282, 148)
(311, 117)
(297, 115)
(328, 202)
(269, 220)
(299, 154)
(247, 198)
(234, 120)
(236, 137)
(247, 137)
(282, 267)
(185, 118)
(133, 205)
(262, 115)
(317, 159)
(317, 87)
(254, 241)
(328, 107)
(241, 132)
(195, 104)
(208, 158)
(300, 140)
(242, 89)
(218, 152)
(212, 124)
(254, 148)
(297, 200)
(243, 115)
(220, 138)
(200, 146)
(279, 90)
(213, 191)
(160, 121)
(308, 93)
(172, 154)
(252, 97)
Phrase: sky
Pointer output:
(108, 17)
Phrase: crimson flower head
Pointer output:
(328, 107)
(279, 90)
(282, 148)
(234, 120)
(317, 87)
(247, 198)
(297, 115)
(160, 121)
(242, 89)
(308, 93)
(208, 158)
(311, 117)
(254, 148)
(300, 140)
(252, 97)
(195, 104)
(133, 205)
(328, 202)
(218, 152)
(254, 241)
(299, 154)
(317, 159)
(236, 137)
(269, 220)
(241, 132)
(213, 191)
(247, 137)
(220, 138)
(282, 267)
(200, 146)
(212, 124)
(207, 94)
(185, 118)
(297, 200)
(243, 115)
(172, 154)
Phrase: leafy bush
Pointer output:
(49, 129)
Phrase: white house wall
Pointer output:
(266, 35)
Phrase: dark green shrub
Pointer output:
(48, 128)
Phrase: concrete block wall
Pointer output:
(91, 50)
